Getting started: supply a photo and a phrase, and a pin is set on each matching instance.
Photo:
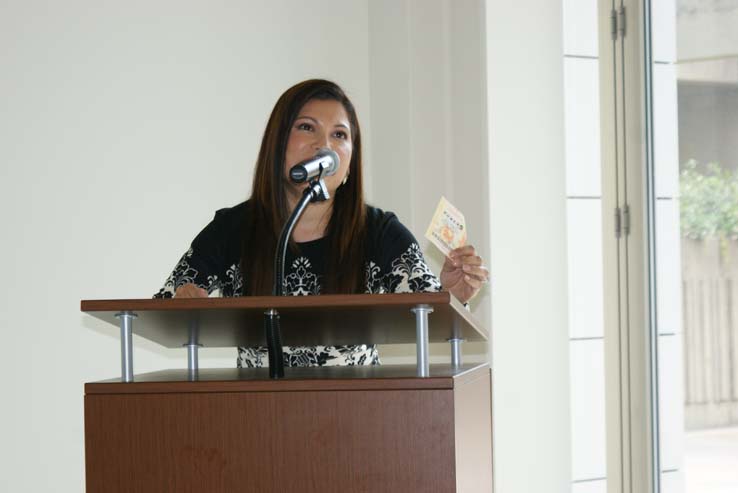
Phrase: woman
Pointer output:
(341, 245)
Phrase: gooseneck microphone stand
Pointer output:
(315, 192)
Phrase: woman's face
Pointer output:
(320, 123)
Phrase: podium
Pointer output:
(382, 428)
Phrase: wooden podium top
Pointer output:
(305, 320)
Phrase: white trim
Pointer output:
(629, 390)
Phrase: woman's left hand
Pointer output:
(463, 273)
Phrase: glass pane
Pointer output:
(695, 88)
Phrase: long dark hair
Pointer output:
(267, 209)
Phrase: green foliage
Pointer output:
(709, 201)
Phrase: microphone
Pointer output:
(324, 163)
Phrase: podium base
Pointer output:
(378, 428)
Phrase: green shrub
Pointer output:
(709, 201)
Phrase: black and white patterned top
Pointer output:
(394, 264)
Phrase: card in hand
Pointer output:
(447, 229)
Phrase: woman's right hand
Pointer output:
(190, 291)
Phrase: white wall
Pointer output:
(584, 225)
(427, 82)
(123, 127)
(530, 340)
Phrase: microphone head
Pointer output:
(335, 161)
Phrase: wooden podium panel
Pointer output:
(357, 429)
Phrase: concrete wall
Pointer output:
(708, 123)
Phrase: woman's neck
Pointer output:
(313, 223)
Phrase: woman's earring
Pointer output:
(345, 179)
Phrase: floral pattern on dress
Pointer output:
(301, 281)
(183, 273)
(235, 286)
(408, 273)
(373, 279)
(355, 355)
